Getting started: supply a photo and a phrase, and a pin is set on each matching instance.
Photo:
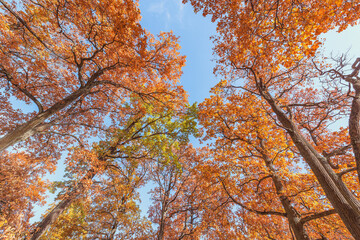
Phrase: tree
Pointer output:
(259, 171)
(21, 186)
(106, 209)
(177, 202)
(188, 202)
(75, 66)
(77, 62)
(271, 45)
(121, 161)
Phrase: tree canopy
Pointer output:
(279, 153)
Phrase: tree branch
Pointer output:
(340, 174)
(318, 215)
(24, 24)
(249, 209)
(23, 90)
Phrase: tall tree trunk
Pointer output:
(354, 126)
(35, 124)
(354, 119)
(51, 217)
(164, 208)
(344, 202)
(71, 196)
(292, 215)
(160, 235)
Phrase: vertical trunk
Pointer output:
(346, 205)
(113, 231)
(354, 126)
(60, 207)
(71, 196)
(162, 226)
(292, 215)
(163, 215)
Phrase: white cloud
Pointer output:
(157, 7)
(180, 10)
(169, 10)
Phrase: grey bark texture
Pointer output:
(344, 202)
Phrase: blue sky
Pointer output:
(339, 43)
(194, 31)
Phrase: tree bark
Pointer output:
(292, 215)
(34, 125)
(164, 208)
(354, 126)
(69, 199)
(344, 202)
(60, 207)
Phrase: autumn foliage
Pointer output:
(270, 49)
(83, 82)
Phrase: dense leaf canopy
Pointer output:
(103, 93)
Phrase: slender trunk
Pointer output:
(34, 125)
(164, 207)
(113, 230)
(60, 207)
(71, 196)
(161, 227)
(163, 216)
(292, 215)
(346, 205)
(354, 126)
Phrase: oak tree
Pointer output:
(122, 161)
(74, 63)
(258, 169)
(268, 48)
(73, 67)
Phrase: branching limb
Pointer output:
(24, 24)
(340, 174)
(250, 209)
(23, 90)
(318, 215)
